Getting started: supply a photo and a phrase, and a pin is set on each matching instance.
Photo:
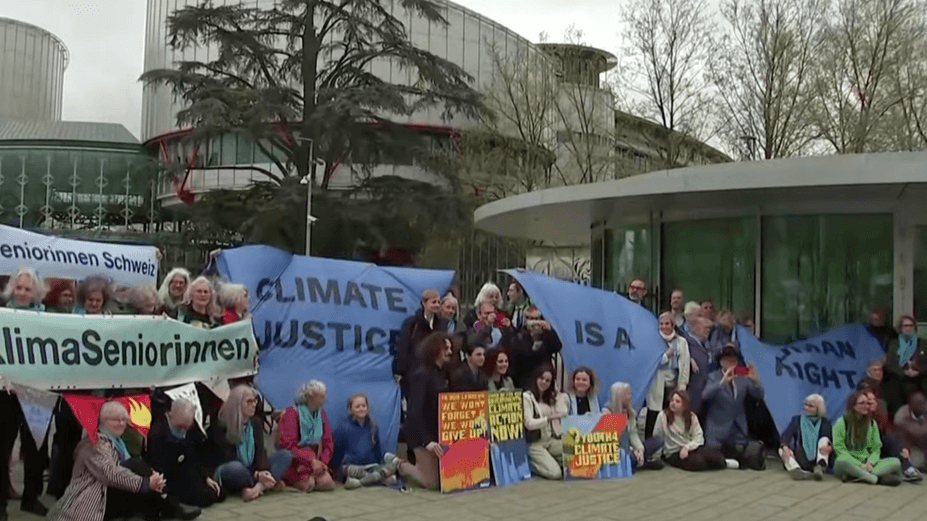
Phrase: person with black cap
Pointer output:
(725, 397)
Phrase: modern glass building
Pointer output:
(74, 176)
(800, 245)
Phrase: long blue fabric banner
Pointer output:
(831, 365)
(600, 329)
(331, 320)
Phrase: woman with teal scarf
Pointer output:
(25, 290)
(238, 439)
(306, 433)
(805, 447)
(906, 348)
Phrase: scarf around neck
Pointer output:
(117, 442)
(810, 432)
(245, 447)
(310, 426)
(906, 346)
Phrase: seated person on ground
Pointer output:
(619, 402)
(359, 458)
(858, 447)
(544, 407)
(806, 448)
(307, 435)
(683, 440)
(583, 396)
(911, 422)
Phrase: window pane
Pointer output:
(920, 276)
(821, 271)
(711, 259)
(628, 257)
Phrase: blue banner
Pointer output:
(617, 338)
(331, 320)
(832, 365)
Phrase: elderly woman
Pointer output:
(672, 374)
(488, 293)
(93, 294)
(172, 290)
(25, 290)
(238, 440)
(306, 433)
(61, 295)
(450, 310)
(619, 402)
(582, 397)
(100, 474)
(805, 447)
(143, 300)
(199, 307)
(233, 299)
(907, 347)
(858, 447)
(176, 447)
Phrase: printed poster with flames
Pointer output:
(87, 411)
(463, 429)
(595, 447)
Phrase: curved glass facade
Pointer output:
(75, 186)
(799, 275)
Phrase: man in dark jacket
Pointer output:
(423, 323)
(175, 448)
(531, 346)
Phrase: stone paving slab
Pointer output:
(666, 495)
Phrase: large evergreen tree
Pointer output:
(296, 80)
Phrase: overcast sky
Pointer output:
(106, 41)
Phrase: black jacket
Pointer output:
(183, 463)
(224, 452)
(524, 358)
(422, 414)
(414, 330)
(465, 380)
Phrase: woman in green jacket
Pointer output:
(858, 446)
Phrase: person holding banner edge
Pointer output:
(199, 306)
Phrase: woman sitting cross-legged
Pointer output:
(683, 440)
(306, 433)
(238, 440)
(107, 483)
(544, 407)
(858, 446)
(805, 446)
(359, 457)
(619, 402)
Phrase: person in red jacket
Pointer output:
(306, 433)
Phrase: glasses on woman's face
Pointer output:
(251, 401)
(116, 420)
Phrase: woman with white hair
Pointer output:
(25, 290)
(102, 487)
(233, 299)
(805, 446)
(492, 294)
(450, 310)
(619, 402)
(172, 290)
(672, 373)
(199, 307)
(238, 438)
(306, 433)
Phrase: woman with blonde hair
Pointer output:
(805, 447)
(359, 456)
(25, 290)
(619, 402)
(238, 438)
(306, 433)
(582, 397)
(172, 290)
(199, 307)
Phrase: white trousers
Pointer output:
(791, 464)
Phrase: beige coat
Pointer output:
(655, 396)
(96, 467)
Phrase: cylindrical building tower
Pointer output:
(32, 64)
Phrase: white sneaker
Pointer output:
(913, 475)
(352, 483)
(732, 464)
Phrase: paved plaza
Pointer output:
(664, 495)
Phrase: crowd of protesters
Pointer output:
(705, 409)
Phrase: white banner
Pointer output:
(57, 257)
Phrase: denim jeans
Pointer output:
(235, 476)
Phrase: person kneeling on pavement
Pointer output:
(806, 449)
(726, 426)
